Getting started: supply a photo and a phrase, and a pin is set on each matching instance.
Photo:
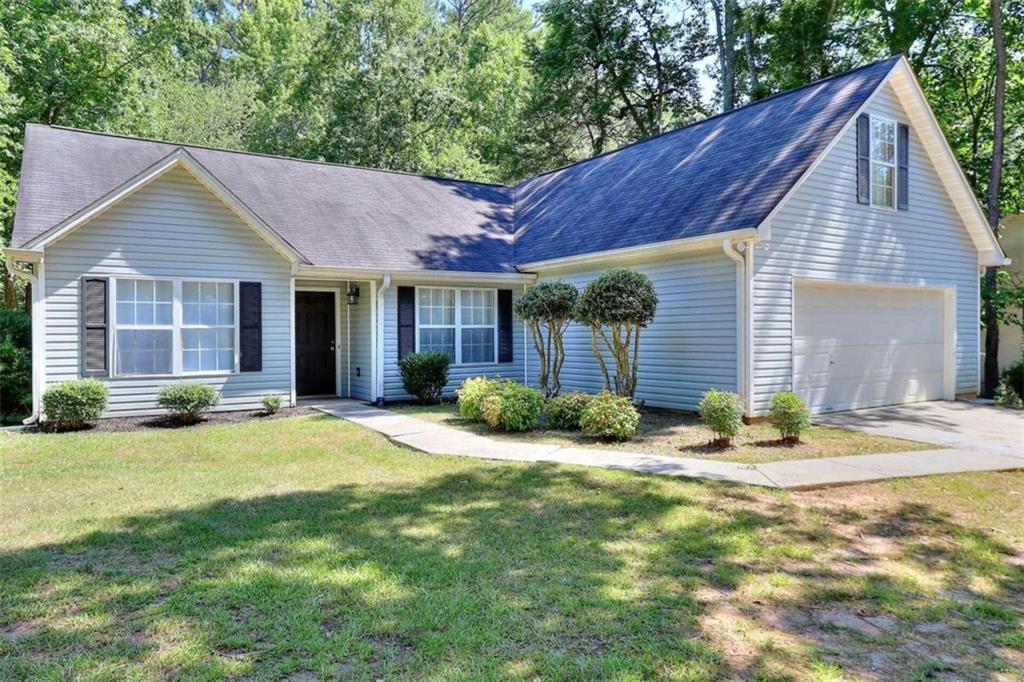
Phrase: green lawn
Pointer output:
(680, 434)
(310, 548)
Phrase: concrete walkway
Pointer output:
(806, 473)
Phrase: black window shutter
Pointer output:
(250, 323)
(94, 327)
(504, 325)
(863, 159)
(903, 170)
(406, 321)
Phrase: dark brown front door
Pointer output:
(314, 343)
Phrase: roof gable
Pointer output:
(722, 174)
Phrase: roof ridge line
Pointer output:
(332, 164)
(694, 124)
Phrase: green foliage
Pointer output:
(471, 396)
(513, 407)
(624, 301)
(425, 374)
(1007, 397)
(790, 415)
(271, 404)
(1014, 376)
(565, 411)
(610, 417)
(73, 404)
(186, 402)
(15, 362)
(722, 412)
(547, 308)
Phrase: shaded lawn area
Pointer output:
(311, 548)
(681, 434)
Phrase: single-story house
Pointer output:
(823, 240)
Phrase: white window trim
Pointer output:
(176, 327)
(894, 165)
(458, 327)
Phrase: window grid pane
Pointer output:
(477, 345)
(143, 338)
(208, 326)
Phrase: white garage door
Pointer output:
(857, 347)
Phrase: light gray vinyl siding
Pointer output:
(457, 374)
(173, 227)
(689, 348)
(822, 232)
(361, 353)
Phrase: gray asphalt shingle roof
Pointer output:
(725, 173)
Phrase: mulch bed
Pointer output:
(124, 424)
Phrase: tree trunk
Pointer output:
(725, 38)
(755, 82)
(991, 379)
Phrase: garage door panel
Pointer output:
(861, 347)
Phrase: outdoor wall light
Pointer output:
(353, 294)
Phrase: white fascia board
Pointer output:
(177, 158)
(368, 274)
(641, 253)
(23, 255)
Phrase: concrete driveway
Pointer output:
(961, 425)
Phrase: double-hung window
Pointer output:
(459, 322)
(883, 163)
(174, 327)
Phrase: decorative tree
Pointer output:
(624, 301)
(547, 308)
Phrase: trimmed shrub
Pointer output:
(186, 402)
(790, 415)
(73, 404)
(609, 417)
(513, 407)
(425, 374)
(271, 404)
(472, 394)
(722, 412)
(546, 309)
(1007, 397)
(564, 411)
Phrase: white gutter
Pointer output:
(743, 255)
(378, 365)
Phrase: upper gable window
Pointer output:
(883, 163)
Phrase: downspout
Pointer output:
(379, 350)
(31, 276)
(743, 255)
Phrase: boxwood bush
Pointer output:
(789, 415)
(425, 374)
(471, 396)
(73, 404)
(271, 404)
(186, 402)
(564, 411)
(722, 412)
(609, 417)
(513, 407)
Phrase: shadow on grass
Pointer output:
(510, 572)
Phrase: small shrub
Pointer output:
(789, 415)
(73, 404)
(425, 374)
(564, 411)
(722, 412)
(1007, 397)
(1014, 376)
(271, 404)
(513, 407)
(472, 394)
(609, 417)
(186, 402)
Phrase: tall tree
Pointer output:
(991, 379)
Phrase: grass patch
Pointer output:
(308, 547)
(681, 434)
